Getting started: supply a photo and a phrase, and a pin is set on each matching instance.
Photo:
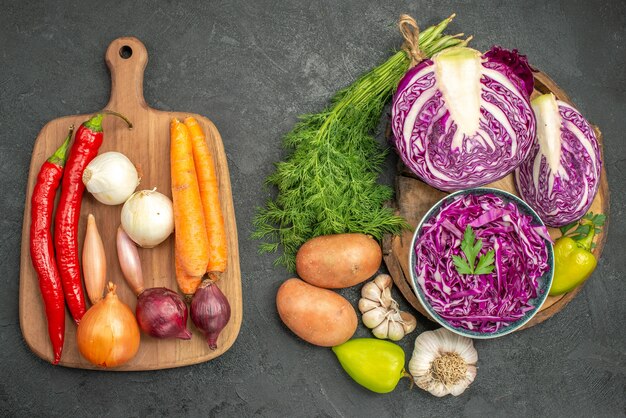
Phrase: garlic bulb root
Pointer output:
(443, 363)
(381, 313)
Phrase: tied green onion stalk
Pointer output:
(328, 185)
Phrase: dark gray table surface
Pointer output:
(252, 67)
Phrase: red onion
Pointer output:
(162, 313)
(210, 311)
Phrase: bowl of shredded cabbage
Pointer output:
(481, 262)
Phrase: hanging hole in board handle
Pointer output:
(126, 58)
(126, 52)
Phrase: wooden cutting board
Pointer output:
(414, 198)
(147, 145)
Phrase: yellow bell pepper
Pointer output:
(573, 263)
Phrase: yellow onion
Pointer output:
(108, 334)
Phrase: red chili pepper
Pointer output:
(86, 145)
(41, 249)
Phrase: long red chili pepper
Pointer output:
(86, 144)
(41, 249)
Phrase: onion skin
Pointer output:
(162, 313)
(108, 334)
(210, 311)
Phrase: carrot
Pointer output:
(186, 283)
(209, 193)
(192, 244)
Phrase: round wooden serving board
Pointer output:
(147, 145)
(414, 198)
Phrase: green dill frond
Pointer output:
(329, 183)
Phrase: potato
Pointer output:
(318, 316)
(338, 261)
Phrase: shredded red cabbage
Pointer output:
(485, 302)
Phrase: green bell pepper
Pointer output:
(573, 262)
(377, 365)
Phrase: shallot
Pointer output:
(94, 262)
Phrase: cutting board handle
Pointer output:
(126, 58)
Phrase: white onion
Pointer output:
(148, 218)
(111, 178)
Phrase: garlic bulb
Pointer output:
(381, 313)
(111, 178)
(443, 362)
(148, 218)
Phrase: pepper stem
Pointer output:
(60, 155)
(95, 123)
(119, 115)
(409, 376)
(586, 242)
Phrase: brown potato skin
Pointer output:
(338, 261)
(318, 316)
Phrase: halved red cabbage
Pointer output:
(516, 62)
(462, 119)
(560, 177)
(485, 302)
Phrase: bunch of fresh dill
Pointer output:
(328, 185)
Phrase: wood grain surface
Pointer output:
(414, 198)
(147, 145)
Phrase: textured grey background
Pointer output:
(252, 68)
